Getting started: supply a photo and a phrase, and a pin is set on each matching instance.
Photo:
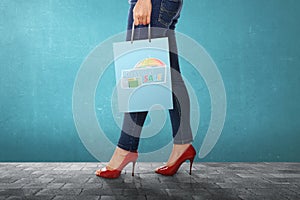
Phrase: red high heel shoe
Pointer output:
(189, 154)
(115, 173)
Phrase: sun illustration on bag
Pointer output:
(146, 71)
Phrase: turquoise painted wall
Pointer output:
(255, 44)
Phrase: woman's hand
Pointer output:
(142, 12)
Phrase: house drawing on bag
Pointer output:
(147, 71)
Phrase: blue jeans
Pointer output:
(164, 16)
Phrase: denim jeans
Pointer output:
(164, 16)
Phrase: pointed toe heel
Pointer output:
(189, 154)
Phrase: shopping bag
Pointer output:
(143, 76)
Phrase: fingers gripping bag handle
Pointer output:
(132, 32)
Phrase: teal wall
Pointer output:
(255, 44)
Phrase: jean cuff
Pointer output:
(128, 142)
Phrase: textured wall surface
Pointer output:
(255, 44)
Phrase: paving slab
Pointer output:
(241, 181)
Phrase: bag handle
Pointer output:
(132, 32)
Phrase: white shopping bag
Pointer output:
(143, 77)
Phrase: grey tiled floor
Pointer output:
(208, 181)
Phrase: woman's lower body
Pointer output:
(164, 17)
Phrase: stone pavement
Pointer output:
(208, 181)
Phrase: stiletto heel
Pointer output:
(191, 164)
(133, 165)
(115, 173)
(189, 154)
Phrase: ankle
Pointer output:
(121, 152)
(180, 147)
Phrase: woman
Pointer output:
(163, 16)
